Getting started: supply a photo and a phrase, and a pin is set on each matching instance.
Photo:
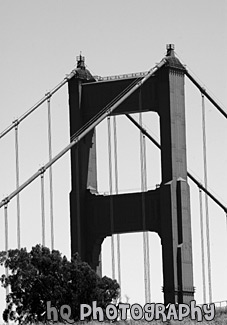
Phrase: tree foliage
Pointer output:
(40, 275)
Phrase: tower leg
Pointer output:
(176, 243)
(174, 192)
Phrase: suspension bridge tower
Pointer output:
(167, 208)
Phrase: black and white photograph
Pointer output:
(113, 170)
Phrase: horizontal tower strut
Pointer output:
(85, 130)
(188, 173)
(108, 78)
(203, 91)
(121, 76)
(33, 108)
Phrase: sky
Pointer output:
(39, 44)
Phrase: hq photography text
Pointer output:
(123, 311)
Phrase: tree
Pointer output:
(40, 275)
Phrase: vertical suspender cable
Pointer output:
(143, 183)
(226, 218)
(202, 245)
(146, 233)
(6, 241)
(143, 217)
(206, 197)
(116, 191)
(42, 207)
(111, 197)
(226, 227)
(17, 183)
(78, 210)
(50, 175)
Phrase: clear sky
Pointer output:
(39, 44)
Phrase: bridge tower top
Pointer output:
(82, 72)
(170, 49)
(80, 62)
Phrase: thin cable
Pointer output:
(142, 177)
(206, 197)
(33, 108)
(202, 245)
(111, 198)
(203, 88)
(17, 184)
(50, 175)
(146, 233)
(43, 208)
(82, 132)
(6, 242)
(204, 92)
(226, 219)
(116, 191)
(107, 108)
(120, 98)
(196, 181)
(78, 209)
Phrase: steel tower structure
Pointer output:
(167, 207)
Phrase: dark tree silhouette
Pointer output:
(40, 275)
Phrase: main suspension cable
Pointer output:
(206, 197)
(202, 245)
(108, 106)
(204, 92)
(34, 107)
(50, 174)
(82, 132)
(113, 104)
(17, 183)
(204, 189)
(198, 183)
